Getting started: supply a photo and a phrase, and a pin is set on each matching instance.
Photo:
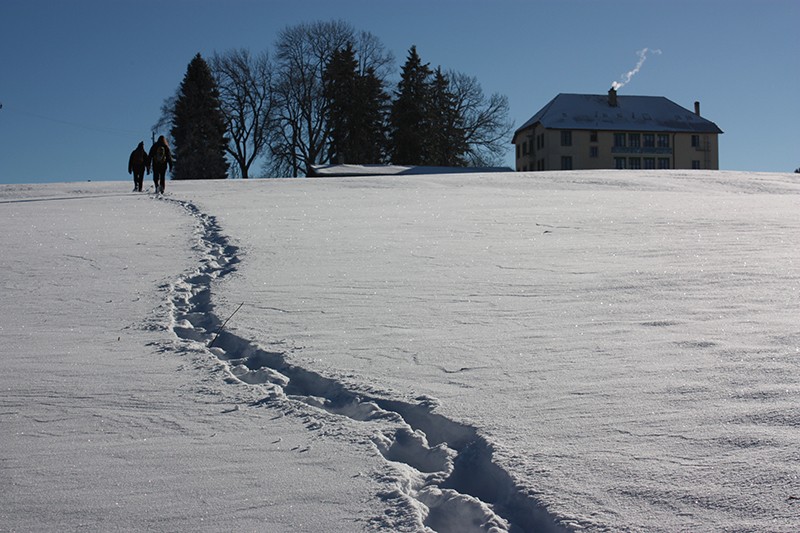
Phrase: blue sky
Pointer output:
(82, 82)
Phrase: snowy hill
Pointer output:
(587, 351)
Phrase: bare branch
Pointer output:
(486, 124)
(248, 102)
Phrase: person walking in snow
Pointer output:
(160, 159)
(138, 163)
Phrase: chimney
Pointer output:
(697, 108)
(612, 97)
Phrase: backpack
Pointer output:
(160, 157)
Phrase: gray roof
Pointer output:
(632, 113)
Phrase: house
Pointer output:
(587, 131)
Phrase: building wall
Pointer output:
(538, 148)
(703, 151)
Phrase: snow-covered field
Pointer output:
(577, 351)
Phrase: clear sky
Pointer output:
(82, 81)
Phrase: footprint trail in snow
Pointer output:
(444, 469)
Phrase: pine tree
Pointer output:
(372, 118)
(355, 115)
(198, 126)
(341, 78)
(446, 144)
(408, 120)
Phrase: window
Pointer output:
(695, 164)
(517, 151)
(663, 163)
(566, 138)
(540, 141)
(619, 140)
(566, 162)
(619, 163)
(695, 141)
(593, 151)
(663, 140)
(634, 140)
(649, 163)
(649, 140)
(635, 163)
(593, 137)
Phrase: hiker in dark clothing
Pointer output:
(160, 159)
(138, 163)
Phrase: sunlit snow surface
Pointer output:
(601, 351)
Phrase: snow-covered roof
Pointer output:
(632, 113)
(330, 171)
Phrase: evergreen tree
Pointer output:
(341, 79)
(408, 119)
(198, 126)
(355, 110)
(301, 135)
(445, 119)
(372, 123)
(446, 144)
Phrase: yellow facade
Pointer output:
(539, 148)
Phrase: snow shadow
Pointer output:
(445, 468)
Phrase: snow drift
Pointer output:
(596, 351)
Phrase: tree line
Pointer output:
(322, 97)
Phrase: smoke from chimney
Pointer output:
(631, 73)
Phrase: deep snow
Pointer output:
(598, 351)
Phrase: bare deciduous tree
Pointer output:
(372, 56)
(300, 136)
(167, 113)
(487, 127)
(248, 102)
